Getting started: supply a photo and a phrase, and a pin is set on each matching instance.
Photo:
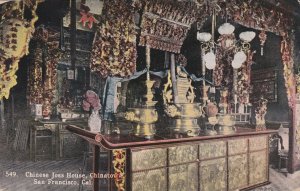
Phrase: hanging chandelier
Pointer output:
(228, 41)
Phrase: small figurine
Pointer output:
(260, 112)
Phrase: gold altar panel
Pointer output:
(237, 146)
(258, 167)
(258, 143)
(152, 180)
(148, 159)
(237, 171)
(211, 149)
(183, 154)
(213, 175)
(183, 177)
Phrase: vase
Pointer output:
(94, 122)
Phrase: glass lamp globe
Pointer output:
(203, 36)
(210, 60)
(247, 36)
(226, 29)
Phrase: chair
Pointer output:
(283, 153)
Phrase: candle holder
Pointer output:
(226, 122)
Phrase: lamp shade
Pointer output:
(239, 58)
(210, 60)
(247, 36)
(203, 36)
(226, 29)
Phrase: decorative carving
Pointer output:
(147, 159)
(15, 34)
(114, 48)
(253, 15)
(222, 74)
(41, 88)
(237, 171)
(213, 175)
(288, 68)
(165, 24)
(119, 162)
(243, 80)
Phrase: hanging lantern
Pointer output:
(262, 37)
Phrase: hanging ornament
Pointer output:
(87, 17)
(262, 37)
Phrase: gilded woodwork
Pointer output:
(182, 154)
(258, 143)
(258, 167)
(147, 159)
(237, 146)
(213, 175)
(119, 162)
(237, 171)
(183, 177)
(212, 149)
(152, 180)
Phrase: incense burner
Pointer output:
(184, 113)
(144, 117)
(144, 121)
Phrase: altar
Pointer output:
(224, 162)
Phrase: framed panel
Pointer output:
(212, 149)
(183, 177)
(258, 143)
(154, 180)
(183, 154)
(148, 159)
(258, 167)
(213, 175)
(237, 172)
(237, 146)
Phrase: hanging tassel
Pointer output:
(262, 37)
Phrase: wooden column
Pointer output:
(173, 78)
(2, 119)
(96, 167)
(73, 34)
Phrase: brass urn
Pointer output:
(144, 117)
(226, 122)
(184, 113)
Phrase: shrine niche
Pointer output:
(165, 24)
(264, 84)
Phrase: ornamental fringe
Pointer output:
(288, 69)
(45, 52)
(15, 34)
